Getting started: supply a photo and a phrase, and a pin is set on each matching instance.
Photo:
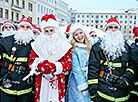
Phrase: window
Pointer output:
(30, 18)
(97, 16)
(125, 22)
(96, 26)
(87, 21)
(82, 21)
(87, 16)
(12, 16)
(38, 7)
(96, 21)
(101, 21)
(120, 21)
(120, 16)
(92, 16)
(124, 27)
(82, 16)
(125, 16)
(106, 16)
(17, 2)
(130, 31)
(37, 20)
(6, 14)
(78, 16)
(124, 31)
(1, 13)
(91, 21)
(101, 26)
(134, 22)
(134, 17)
(130, 27)
(17, 17)
(130, 22)
(6, 0)
(130, 16)
(12, 1)
(78, 21)
(23, 4)
(41, 9)
(101, 16)
(30, 7)
(129, 37)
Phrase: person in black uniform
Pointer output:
(109, 77)
(15, 51)
(134, 64)
(7, 29)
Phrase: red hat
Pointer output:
(49, 20)
(135, 31)
(68, 28)
(7, 22)
(25, 20)
(36, 28)
(112, 20)
(92, 33)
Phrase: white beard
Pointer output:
(8, 33)
(113, 44)
(51, 47)
(23, 36)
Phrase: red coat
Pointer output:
(66, 62)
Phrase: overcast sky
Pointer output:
(101, 4)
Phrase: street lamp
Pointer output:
(137, 14)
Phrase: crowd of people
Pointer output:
(47, 64)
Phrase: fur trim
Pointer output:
(83, 86)
(6, 24)
(25, 23)
(49, 23)
(59, 68)
(111, 23)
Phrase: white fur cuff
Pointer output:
(83, 86)
(59, 68)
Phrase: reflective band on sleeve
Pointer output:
(128, 69)
(19, 59)
(67, 73)
(134, 92)
(15, 92)
(93, 81)
(113, 98)
(136, 83)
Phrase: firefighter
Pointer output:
(7, 29)
(109, 77)
(15, 51)
(134, 64)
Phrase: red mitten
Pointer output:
(46, 67)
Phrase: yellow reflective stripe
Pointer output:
(15, 92)
(134, 92)
(0, 56)
(67, 73)
(128, 69)
(127, 83)
(19, 59)
(92, 96)
(106, 96)
(24, 91)
(93, 81)
(113, 98)
(111, 64)
(136, 83)
(122, 98)
(23, 59)
(127, 64)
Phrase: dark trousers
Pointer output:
(133, 98)
(14, 98)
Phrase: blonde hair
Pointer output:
(86, 40)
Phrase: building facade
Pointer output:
(98, 19)
(14, 10)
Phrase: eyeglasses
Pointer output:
(6, 27)
(111, 27)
